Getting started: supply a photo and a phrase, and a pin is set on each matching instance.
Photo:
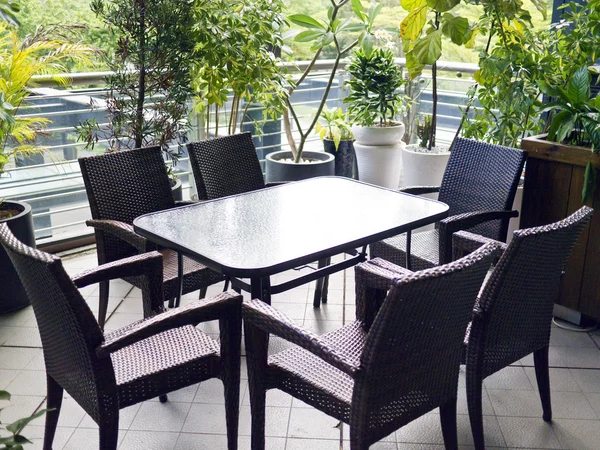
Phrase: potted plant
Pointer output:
(15, 440)
(374, 102)
(338, 140)
(20, 61)
(423, 46)
(297, 163)
(150, 79)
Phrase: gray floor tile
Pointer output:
(588, 380)
(567, 405)
(28, 382)
(578, 434)
(276, 422)
(561, 380)
(87, 439)
(322, 326)
(16, 358)
(424, 430)
(6, 376)
(149, 440)
(528, 432)
(509, 378)
(566, 338)
(168, 416)
(294, 311)
(6, 333)
(491, 427)
(325, 312)
(317, 444)
(185, 395)
(16, 319)
(311, 423)
(594, 400)
(18, 407)
(118, 320)
(126, 416)
(36, 435)
(584, 357)
(462, 407)
(554, 359)
(25, 337)
(271, 443)
(275, 397)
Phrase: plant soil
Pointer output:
(8, 213)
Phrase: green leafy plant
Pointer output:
(422, 41)
(151, 79)
(322, 34)
(47, 51)
(8, 11)
(424, 125)
(337, 127)
(16, 440)
(576, 120)
(375, 96)
(234, 55)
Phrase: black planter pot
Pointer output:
(177, 189)
(345, 158)
(323, 165)
(12, 294)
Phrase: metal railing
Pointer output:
(52, 182)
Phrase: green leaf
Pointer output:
(589, 183)
(412, 25)
(358, 9)
(428, 49)
(306, 21)
(374, 12)
(578, 88)
(367, 44)
(541, 6)
(308, 36)
(409, 5)
(414, 68)
(557, 121)
(442, 5)
(456, 28)
(4, 395)
(18, 425)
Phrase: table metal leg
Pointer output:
(179, 279)
(408, 242)
(319, 287)
(261, 288)
(325, 288)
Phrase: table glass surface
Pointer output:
(253, 233)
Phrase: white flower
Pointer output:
(390, 45)
(383, 35)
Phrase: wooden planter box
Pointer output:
(553, 185)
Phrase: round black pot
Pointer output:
(12, 294)
(177, 189)
(323, 165)
(345, 158)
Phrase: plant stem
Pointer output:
(434, 94)
(142, 77)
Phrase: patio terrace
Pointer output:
(193, 418)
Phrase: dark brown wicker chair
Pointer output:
(382, 371)
(479, 185)
(229, 165)
(120, 187)
(107, 372)
(512, 317)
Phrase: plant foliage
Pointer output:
(375, 95)
(16, 441)
(337, 126)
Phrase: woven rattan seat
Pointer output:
(383, 370)
(106, 372)
(120, 187)
(512, 317)
(479, 186)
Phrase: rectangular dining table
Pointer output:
(262, 233)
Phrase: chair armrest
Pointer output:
(270, 320)
(419, 190)
(185, 202)
(192, 314)
(373, 279)
(464, 243)
(122, 230)
(147, 266)
(451, 225)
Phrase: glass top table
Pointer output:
(261, 233)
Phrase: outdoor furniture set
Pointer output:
(376, 373)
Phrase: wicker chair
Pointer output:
(107, 372)
(120, 187)
(512, 317)
(382, 371)
(479, 185)
(229, 165)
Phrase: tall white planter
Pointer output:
(379, 154)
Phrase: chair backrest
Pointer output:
(411, 356)
(518, 299)
(122, 186)
(481, 176)
(225, 166)
(69, 332)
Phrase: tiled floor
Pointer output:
(194, 417)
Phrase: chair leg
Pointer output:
(109, 433)
(542, 375)
(448, 420)
(54, 402)
(103, 303)
(474, 393)
(163, 398)
(257, 412)
(203, 293)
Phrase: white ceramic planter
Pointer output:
(378, 135)
(423, 168)
(515, 222)
(379, 154)
(380, 165)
